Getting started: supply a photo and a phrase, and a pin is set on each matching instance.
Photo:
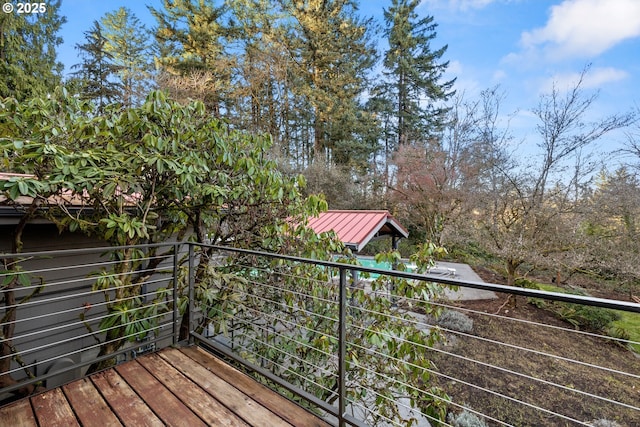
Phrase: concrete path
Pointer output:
(462, 272)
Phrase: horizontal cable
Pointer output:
(77, 266)
(311, 313)
(495, 393)
(502, 369)
(294, 373)
(254, 324)
(90, 334)
(379, 374)
(508, 345)
(366, 409)
(76, 323)
(82, 307)
(278, 350)
(96, 291)
(84, 349)
(288, 338)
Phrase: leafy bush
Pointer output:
(592, 318)
(471, 253)
(455, 321)
(466, 419)
(523, 282)
(579, 315)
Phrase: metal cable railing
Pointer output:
(311, 326)
(62, 309)
(360, 351)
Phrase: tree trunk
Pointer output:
(512, 267)
(113, 343)
(9, 319)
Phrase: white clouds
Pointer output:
(595, 78)
(464, 83)
(499, 75)
(585, 28)
(455, 68)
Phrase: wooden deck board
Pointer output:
(286, 409)
(231, 397)
(206, 406)
(53, 410)
(124, 402)
(89, 406)
(159, 399)
(175, 387)
(18, 414)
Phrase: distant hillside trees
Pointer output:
(116, 62)
(612, 227)
(333, 54)
(28, 42)
(529, 211)
(298, 70)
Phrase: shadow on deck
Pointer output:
(185, 386)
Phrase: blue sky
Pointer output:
(527, 46)
(522, 45)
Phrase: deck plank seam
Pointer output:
(256, 397)
(159, 380)
(205, 390)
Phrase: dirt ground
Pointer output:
(563, 344)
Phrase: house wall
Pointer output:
(53, 316)
(45, 237)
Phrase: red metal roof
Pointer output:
(356, 228)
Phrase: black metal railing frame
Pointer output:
(175, 317)
(345, 270)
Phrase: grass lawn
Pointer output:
(629, 322)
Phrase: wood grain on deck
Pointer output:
(175, 387)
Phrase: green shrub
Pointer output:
(471, 253)
(455, 321)
(587, 317)
(523, 282)
(466, 419)
(604, 423)
(579, 315)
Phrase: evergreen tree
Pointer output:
(28, 65)
(96, 71)
(191, 37)
(261, 87)
(414, 73)
(333, 55)
(127, 43)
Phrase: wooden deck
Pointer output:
(175, 387)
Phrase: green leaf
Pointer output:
(14, 191)
(23, 188)
(24, 279)
(7, 277)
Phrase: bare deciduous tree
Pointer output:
(528, 213)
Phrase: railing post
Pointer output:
(191, 302)
(342, 349)
(176, 312)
